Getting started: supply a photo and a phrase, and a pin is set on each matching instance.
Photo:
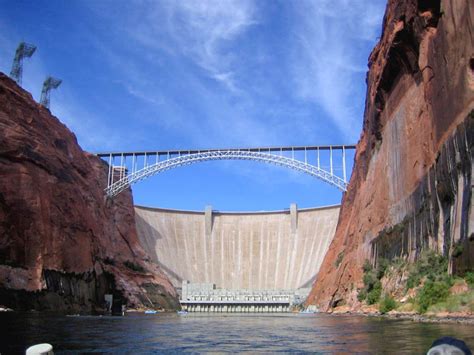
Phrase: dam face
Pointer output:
(238, 250)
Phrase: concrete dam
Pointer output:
(238, 250)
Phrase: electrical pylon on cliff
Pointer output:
(23, 50)
(49, 83)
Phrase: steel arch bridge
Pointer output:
(136, 166)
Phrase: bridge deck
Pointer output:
(257, 149)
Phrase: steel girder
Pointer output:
(118, 186)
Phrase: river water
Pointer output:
(169, 332)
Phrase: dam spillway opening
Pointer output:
(263, 261)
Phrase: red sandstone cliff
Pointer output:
(411, 187)
(62, 245)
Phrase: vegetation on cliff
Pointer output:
(372, 285)
(424, 286)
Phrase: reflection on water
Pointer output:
(139, 333)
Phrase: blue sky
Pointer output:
(157, 75)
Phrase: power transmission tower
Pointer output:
(23, 50)
(49, 83)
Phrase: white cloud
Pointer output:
(203, 27)
(198, 38)
(201, 30)
(207, 39)
(326, 60)
(228, 80)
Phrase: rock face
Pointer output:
(62, 244)
(239, 250)
(411, 187)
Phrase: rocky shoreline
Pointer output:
(435, 318)
(442, 317)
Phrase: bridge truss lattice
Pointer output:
(127, 168)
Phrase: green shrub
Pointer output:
(457, 250)
(413, 280)
(398, 263)
(469, 277)
(367, 266)
(387, 304)
(455, 303)
(372, 285)
(431, 293)
(430, 265)
(362, 295)
(373, 295)
(382, 266)
(369, 280)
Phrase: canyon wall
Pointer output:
(238, 250)
(62, 244)
(411, 187)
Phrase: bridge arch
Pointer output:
(117, 184)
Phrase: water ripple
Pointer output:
(201, 333)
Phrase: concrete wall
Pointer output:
(252, 250)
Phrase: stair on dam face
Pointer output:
(238, 250)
